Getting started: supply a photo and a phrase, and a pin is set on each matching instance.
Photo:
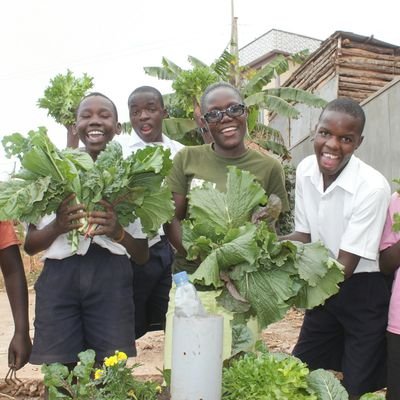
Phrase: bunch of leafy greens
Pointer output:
(63, 95)
(259, 275)
(47, 176)
(274, 376)
(135, 185)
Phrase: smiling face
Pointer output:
(228, 134)
(96, 123)
(337, 136)
(146, 115)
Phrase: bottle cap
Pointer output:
(180, 277)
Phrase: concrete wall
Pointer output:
(381, 146)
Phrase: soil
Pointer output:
(280, 336)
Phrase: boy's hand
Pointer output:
(106, 221)
(69, 217)
(19, 350)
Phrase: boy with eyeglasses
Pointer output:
(225, 117)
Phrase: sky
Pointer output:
(113, 40)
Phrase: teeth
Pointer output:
(331, 156)
(95, 133)
(232, 128)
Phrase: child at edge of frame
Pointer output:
(12, 268)
(389, 262)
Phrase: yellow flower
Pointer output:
(121, 355)
(158, 389)
(110, 361)
(98, 374)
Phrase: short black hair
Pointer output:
(215, 86)
(147, 89)
(348, 106)
(92, 94)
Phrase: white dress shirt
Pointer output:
(349, 215)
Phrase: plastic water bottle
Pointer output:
(187, 302)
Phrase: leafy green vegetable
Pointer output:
(271, 276)
(266, 376)
(135, 186)
(275, 376)
(63, 95)
(326, 386)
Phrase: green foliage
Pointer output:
(63, 95)
(135, 185)
(190, 85)
(271, 276)
(114, 381)
(276, 376)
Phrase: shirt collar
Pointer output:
(137, 141)
(346, 179)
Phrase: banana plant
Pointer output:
(190, 84)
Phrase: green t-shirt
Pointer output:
(195, 164)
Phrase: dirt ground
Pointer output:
(279, 337)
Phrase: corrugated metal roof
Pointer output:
(276, 40)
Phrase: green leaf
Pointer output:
(151, 215)
(311, 296)
(326, 386)
(242, 338)
(273, 104)
(230, 209)
(264, 76)
(267, 292)
(297, 95)
(54, 374)
(239, 250)
(310, 261)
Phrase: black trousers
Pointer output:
(152, 283)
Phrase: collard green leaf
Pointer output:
(242, 338)
(326, 386)
(230, 209)
(18, 197)
(311, 296)
(267, 292)
(240, 250)
(151, 214)
(311, 262)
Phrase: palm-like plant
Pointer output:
(183, 105)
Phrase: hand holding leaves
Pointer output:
(69, 217)
(104, 222)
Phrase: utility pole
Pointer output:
(234, 49)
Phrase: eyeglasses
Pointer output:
(236, 110)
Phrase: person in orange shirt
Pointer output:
(12, 268)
